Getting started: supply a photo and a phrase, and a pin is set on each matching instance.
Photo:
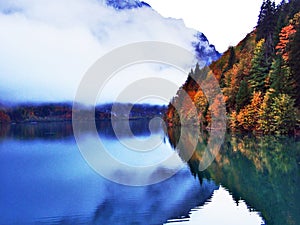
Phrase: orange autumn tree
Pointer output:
(284, 39)
(248, 117)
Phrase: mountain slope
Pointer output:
(203, 49)
(259, 77)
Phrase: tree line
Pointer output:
(259, 78)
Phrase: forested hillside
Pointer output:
(259, 78)
(55, 112)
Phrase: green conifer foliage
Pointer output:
(283, 114)
(259, 69)
(266, 26)
(294, 61)
(265, 121)
(242, 97)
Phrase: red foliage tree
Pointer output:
(284, 39)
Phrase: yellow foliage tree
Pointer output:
(248, 117)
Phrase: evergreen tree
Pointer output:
(243, 95)
(265, 119)
(197, 70)
(294, 7)
(259, 69)
(277, 113)
(283, 114)
(266, 26)
(222, 81)
(280, 77)
(294, 60)
(282, 12)
(231, 59)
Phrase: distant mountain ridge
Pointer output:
(61, 112)
(126, 4)
(203, 49)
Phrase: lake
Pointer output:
(44, 178)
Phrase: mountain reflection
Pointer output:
(59, 130)
(49, 182)
(264, 171)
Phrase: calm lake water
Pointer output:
(45, 180)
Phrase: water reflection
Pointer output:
(60, 130)
(44, 179)
(31, 131)
(221, 209)
(264, 171)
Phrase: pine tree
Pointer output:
(197, 70)
(281, 78)
(259, 69)
(243, 95)
(294, 7)
(266, 26)
(294, 58)
(282, 12)
(265, 121)
(231, 59)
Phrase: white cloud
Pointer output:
(47, 46)
(224, 23)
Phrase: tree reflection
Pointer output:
(59, 130)
(263, 170)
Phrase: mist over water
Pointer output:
(46, 48)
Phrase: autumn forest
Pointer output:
(259, 78)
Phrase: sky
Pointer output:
(48, 46)
(224, 23)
